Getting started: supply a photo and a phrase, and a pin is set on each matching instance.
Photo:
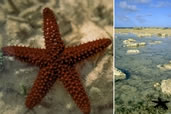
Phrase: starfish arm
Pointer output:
(44, 81)
(165, 101)
(71, 81)
(53, 41)
(164, 107)
(25, 54)
(155, 101)
(159, 99)
(76, 54)
(156, 106)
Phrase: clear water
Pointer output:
(142, 74)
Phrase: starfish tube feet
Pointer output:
(73, 55)
(52, 35)
(32, 56)
(45, 79)
(71, 81)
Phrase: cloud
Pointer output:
(161, 4)
(140, 1)
(140, 19)
(124, 18)
(124, 5)
(124, 21)
(149, 15)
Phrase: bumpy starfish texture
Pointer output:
(57, 62)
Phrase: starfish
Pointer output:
(161, 104)
(56, 62)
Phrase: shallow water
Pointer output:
(138, 89)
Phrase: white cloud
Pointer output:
(124, 5)
(142, 1)
(161, 4)
(138, 1)
(149, 15)
(124, 18)
(140, 18)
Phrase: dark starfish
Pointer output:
(57, 62)
(161, 104)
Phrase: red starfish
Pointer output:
(56, 62)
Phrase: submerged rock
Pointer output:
(155, 42)
(141, 35)
(165, 66)
(8, 109)
(157, 86)
(166, 86)
(133, 43)
(86, 31)
(133, 51)
(162, 35)
(2, 16)
(119, 75)
(130, 40)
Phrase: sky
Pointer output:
(142, 13)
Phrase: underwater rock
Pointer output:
(105, 64)
(155, 42)
(141, 35)
(25, 28)
(91, 31)
(96, 93)
(136, 44)
(65, 24)
(157, 86)
(130, 40)
(133, 43)
(133, 51)
(24, 71)
(7, 108)
(29, 11)
(141, 44)
(166, 86)
(36, 41)
(119, 75)
(12, 28)
(102, 15)
(165, 66)
(162, 35)
(17, 32)
(2, 16)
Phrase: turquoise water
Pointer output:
(135, 94)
